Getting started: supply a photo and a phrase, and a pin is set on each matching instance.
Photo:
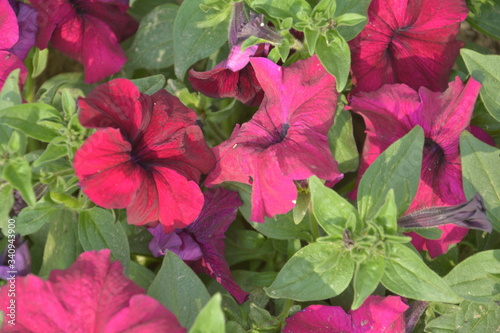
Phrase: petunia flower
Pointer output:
(147, 155)
(92, 295)
(285, 141)
(18, 28)
(15, 259)
(235, 77)
(392, 111)
(377, 315)
(88, 31)
(201, 244)
(407, 41)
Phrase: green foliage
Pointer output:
(341, 140)
(211, 318)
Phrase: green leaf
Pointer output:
(62, 246)
(153, 46)
(485, 69)
(367, 276)
(68, 102)
(298, 10)
(481, 174)
(398, 167)
(387, 215)
(141, 275)
(315, 272)
(211, 317)
(335, 55)
(408, 276)
(97, 230)
(485, 20)
(311, 37)
(477, 278)
(39, 61)
(341, 141)
(51, 153)
(301, 207)
(28, 119)
(18, 173)
(179, 289)
(10, 94)
(333, 221)
(151, 84)
(192, 43)
(470, 318)
(31, 219)
(350, 19)
(344, 7)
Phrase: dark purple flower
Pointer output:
(201, 243)
(15, 259)
(28, 28)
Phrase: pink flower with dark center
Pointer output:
(92, 295)
(17, 36)
(235, 77)
(147, 156)
(392, 111)
(201, 244)
(285, 141)
(376, 315)
(88, 31)
(407, 41)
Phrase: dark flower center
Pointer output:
(434, 151)
(284, 131)
(77, 5)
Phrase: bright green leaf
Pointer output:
(341, 141)
(367, 276)
(10, 94)
(317, 271)
(39, 61)
(334, 53)
(18, 173)
(179, 289)
(32, 219)
(359, 7)
(51, 153)
(398, 167)
(387, 215)
(211, 318)
(97, 230)
(408, 276)
(298, 10)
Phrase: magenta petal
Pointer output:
(104, 168)
(319, 319)
(9, 62)
(451, 234)
(9, 27)
(118, 104)
(380, 314)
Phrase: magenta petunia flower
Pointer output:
(18, 28)
(92, 295)
(407, 41)
(235, 77)
(286, 140)
(147, 156)
(88, 31)
(392, 111)
(201, 244)
(377, 315)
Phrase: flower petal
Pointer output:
(9, 27)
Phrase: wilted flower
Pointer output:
(392, 111)
(147, 156)
(88, 31)
(286, 140)
(407, 41)
(201, 244)
(377, 315)
(92, 295)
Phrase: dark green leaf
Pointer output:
(359, 7)
(301, 207)
(10, 94)
(408, 276)
(151, 84)
(341, 141)
(179, 289)
(398, 167)
(481, 173)
(333, 213)
(18, 173)
(211, 318)
(317, 271)
(486, 18)
(97, 230)
(477, 278)
(334, 53)
(153, 43)
(485, 69)
(283, 227)
(32, 219)
(192, 43)
(140, 275)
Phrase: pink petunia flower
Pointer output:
(407, 41)
(88, 31)
(147, 156)
(201, 244)
(285, 141)
(376, 315)
(391, 112)
(18, 28)
(235, 77)
(92, 295)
